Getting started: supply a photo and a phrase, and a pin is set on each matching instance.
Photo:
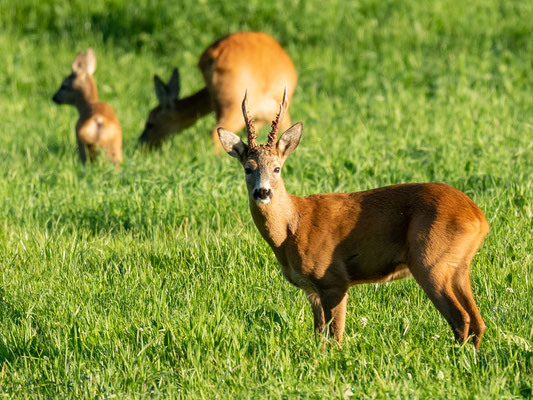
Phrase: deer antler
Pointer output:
(252, 135)
(272, 136)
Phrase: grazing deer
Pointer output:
(326, 243)
(97, 123)
(252, 60)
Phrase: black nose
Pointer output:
(262, 194)
(56, 99)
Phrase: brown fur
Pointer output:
(97, 125)
(326, 243)
(240, 61)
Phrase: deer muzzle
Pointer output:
(262, 195)
(56, 98)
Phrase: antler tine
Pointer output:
(252, 135)
(272, 136)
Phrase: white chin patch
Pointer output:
(263, 201)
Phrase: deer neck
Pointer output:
(87, 98)
(190, 109)
(277, 220)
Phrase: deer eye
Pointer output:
(276, 170)
(247, 171)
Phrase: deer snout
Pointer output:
(262, 194)
(56, 98)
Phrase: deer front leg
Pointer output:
(318, 311)
(93, 152)
(334, 305)
(81, 151)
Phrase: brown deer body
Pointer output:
(97, 125)
(252, 60)
(327, 242)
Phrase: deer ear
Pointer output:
(160, 90)
(173, 86)
(79, 64)
(232, 144)
(290, 140)
(90, 61)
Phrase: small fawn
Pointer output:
(241, 60)
(97, 123)
(326, 243)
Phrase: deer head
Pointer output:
(262, 163)
(79, 86)
(163, 118)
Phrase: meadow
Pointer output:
(153, 281)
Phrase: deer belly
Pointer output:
(384, 274)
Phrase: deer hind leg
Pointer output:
(117, 153)
(438, 283)
(81, 151)
(334, 305)
(463, 290)
(113, 151)
(439, 260)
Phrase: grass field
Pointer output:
(154, 282)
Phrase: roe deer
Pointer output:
(326, 243)
(252, 60)
(97, 123)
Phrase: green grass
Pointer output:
(154, 282)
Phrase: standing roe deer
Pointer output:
(327, 242)
(252, 60)
(97, 124)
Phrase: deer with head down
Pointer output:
(241, 60)
(326, 243)
(97, 125)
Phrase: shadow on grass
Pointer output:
(268, 318)
(129, 29)
(8, 310)
(129, 26)
(97, 220)
(134, 25)
(16, 346)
